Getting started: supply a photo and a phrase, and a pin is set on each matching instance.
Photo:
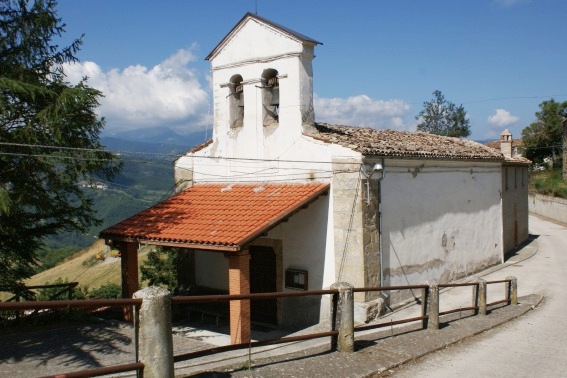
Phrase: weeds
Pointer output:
(548, 182)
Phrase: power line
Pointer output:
(119, 152)
(514, 98)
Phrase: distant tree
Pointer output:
(160, 269)
(544, 137)
(442, 117)
(48, 129)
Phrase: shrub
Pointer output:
(160, 269)
(106, 291)
(548, 182)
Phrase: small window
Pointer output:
(270, 97)
(296, 279)
(236, 102)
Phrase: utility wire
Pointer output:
(120, 152)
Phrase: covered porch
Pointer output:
(224, 219)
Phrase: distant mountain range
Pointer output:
(155, 139)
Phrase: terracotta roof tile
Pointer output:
(221, 215)
(496, 144)
(372, 142)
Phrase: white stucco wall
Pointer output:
(514, 206)
(440, 220)
(211, 270)
(276, 153)
(304, 239)
(552, 208)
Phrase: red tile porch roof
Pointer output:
(216, 216)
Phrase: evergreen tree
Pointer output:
(442, 117)
(48, 129)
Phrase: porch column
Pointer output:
(239, 283)
(129, 264)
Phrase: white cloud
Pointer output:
(168, 94)
(362, 110)
(502, 118)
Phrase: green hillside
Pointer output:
(140, 185)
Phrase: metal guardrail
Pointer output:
(138, 366)
(423, 318)
(506, 300)
(257, 296)
(68, 286)
(474, 306)
(89, 303)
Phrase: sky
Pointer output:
(379, 61)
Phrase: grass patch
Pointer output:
(548, 182)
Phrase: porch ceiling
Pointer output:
(216, 216)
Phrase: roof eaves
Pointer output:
(285, 30)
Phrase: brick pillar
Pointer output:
(239, 283)
(129, 264)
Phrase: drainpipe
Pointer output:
(380, 224)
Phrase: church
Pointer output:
(275, 201)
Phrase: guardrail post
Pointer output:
(156, 341)
(433, 306)
(424, 303)
(481, 296)
(512, 290)
(342, 317)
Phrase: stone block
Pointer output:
(365, 312)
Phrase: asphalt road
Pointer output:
(534, 345)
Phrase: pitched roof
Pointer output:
(496, 143)
(389, 143)
(516, 143)
(216, 216)
(287, 31)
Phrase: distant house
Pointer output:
(277, 202)
(516, 147)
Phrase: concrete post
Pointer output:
(424, 304)
(433, 306)
(481, 296)
(342, 317)
(156, 341)
(512, 290)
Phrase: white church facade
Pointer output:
(277, 202)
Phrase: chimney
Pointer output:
(506, 143)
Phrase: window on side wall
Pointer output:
(270, 97)
(236, 102)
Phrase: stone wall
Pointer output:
(548, 207)
(356, 237)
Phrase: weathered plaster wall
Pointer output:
(211, 270)
(441, 220)
(304, 241)
(356, 237)
(514, 206)
(548, 207)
